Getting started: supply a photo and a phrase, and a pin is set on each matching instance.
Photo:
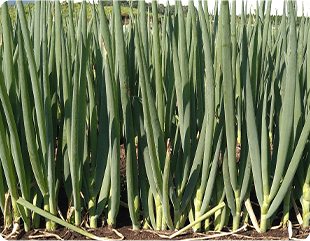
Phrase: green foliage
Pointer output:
(108, 6)
(193, 97)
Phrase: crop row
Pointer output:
(216, 107)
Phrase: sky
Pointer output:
(277, 5)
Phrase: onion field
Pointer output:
(212, 108)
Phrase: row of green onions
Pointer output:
(184, 94)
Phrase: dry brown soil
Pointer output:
(125, 229)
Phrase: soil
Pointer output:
(124, 229)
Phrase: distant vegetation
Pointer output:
(125, 8)
(65, 12)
